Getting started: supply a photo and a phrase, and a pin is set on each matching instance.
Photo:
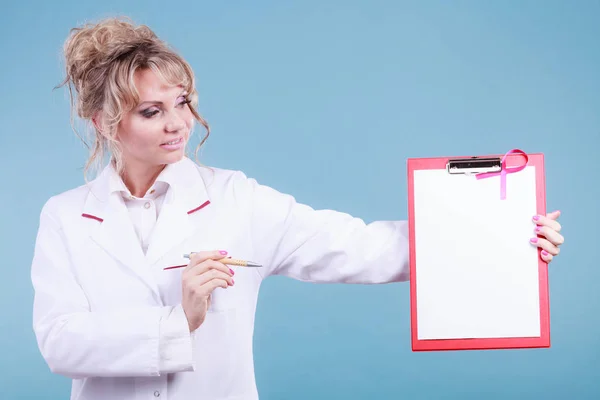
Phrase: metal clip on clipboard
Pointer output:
(474, 165)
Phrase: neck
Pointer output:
(139, 179)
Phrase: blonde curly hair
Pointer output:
(101, 60)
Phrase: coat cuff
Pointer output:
(175, 343)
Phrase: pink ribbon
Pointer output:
(504, 171)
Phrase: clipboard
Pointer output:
(476, 281)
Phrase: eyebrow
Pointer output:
(157, 102)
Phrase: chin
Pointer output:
(175, 157)
(170, 157)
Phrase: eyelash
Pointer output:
(149, 114)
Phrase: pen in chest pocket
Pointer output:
(226, 261)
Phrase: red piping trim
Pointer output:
(207, 202)
(175, 266)
(92, 217)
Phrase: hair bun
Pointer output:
(92, 46)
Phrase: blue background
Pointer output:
(326, 100)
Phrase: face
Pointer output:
(156, 131)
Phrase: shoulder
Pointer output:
(61, 206)
(238, 187)
(222, 180)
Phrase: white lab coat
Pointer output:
(99, 299)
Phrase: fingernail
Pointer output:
(544, 253)
(223, 252)
(536, 218)
(232, 282)
(538, 229)
(533, 240)
(230, 270)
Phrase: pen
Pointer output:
(226, 261)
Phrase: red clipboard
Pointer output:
(467, 293)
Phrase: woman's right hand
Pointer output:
(203, 274)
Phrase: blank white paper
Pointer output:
(476, 272)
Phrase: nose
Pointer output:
(174, 124)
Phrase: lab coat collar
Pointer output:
(185, 198)
(182, 177)
(116, 185)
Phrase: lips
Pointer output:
(172, 142)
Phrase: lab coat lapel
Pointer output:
(172, 227)
(115, 233)
(186, 210)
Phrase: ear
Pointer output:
(97, 120)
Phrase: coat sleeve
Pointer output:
(78, 343)
(323, 246)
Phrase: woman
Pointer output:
(106, 313)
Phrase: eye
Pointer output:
(183, 101)
(149, 112)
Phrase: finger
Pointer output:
(205, 290)
(197, 289)
(197, 258)
(547, 221)
(546, 256)
(553, 236)
(207, 265)
(202, 279)
(544, 244)
(211, 285)
(553, 215)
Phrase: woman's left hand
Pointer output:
(549, 238)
